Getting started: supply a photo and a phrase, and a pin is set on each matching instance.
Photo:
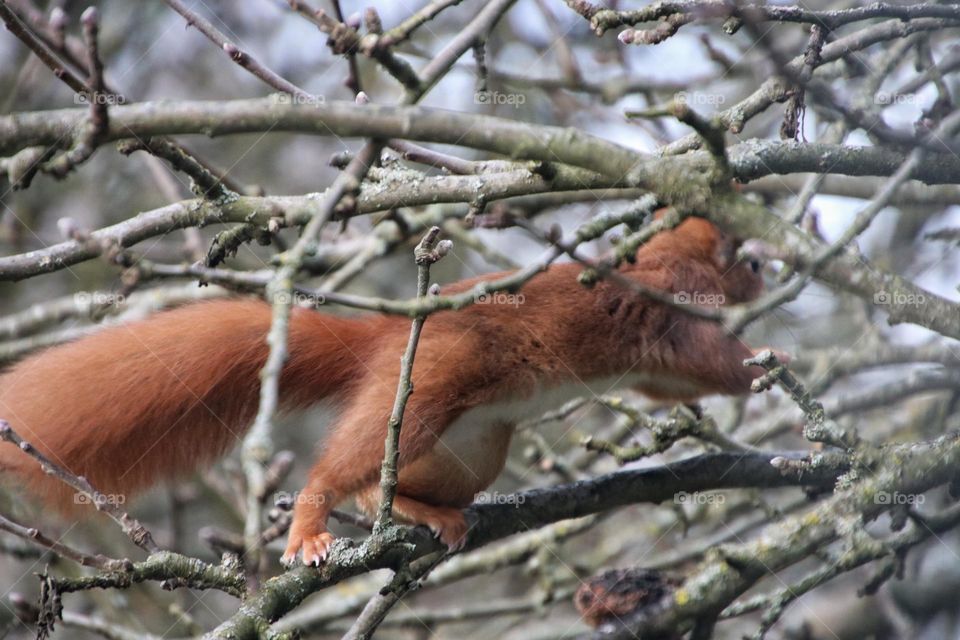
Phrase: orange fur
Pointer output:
(134, 404)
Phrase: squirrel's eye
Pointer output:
(755, 265)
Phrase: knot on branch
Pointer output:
(429, 251)
(343, 39)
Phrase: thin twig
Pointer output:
(427, 252)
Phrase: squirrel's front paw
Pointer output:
(312, 547)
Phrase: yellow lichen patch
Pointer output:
(811, 519)
(682, 596)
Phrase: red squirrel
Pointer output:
(156, 399)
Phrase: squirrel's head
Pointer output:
(699, 239)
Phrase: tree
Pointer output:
(828, 135)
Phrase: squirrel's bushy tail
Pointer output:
(135, 404)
